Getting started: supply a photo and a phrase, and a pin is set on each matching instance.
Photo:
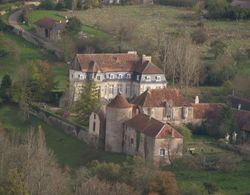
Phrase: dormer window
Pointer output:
(128, 76)
(119, 76)
(138, 77)
(112, 76)
(107, 76)
(98, 78)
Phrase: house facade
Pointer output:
(151, 139)
(125, 73)
(167, 105)
(49, 28)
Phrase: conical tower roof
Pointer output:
(119, 102)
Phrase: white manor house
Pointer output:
(126, 73)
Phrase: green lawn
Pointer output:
(232, 183)
(22, 52)
(68, 150)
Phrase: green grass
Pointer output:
(68, 150)
(23, 52)
(57, 15)
(146, 19)
(232, 183)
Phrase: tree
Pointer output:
(3, 26)
(178, 55)
(48, 4)
(89, 101)
(217, 48)
(199, 36)
(14, 184)
(74, 26)
(5, 89)
(163, 183)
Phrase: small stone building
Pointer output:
(151, 139)
(49, 28)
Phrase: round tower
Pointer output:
(118, 111)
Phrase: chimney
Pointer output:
(132, 52)
(146, 58)
(197, 101)
(239, 106)
(172, 132)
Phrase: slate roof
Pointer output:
(119, 101)
(152, 127)
(110, 62)
(159, 97)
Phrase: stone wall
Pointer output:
(76, 130)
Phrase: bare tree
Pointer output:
(180, 59)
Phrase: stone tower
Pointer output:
(118, 111)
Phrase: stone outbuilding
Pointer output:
(49, 28)
(151, 139)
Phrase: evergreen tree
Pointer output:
(88, 102)
(5, 89)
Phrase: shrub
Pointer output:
(185, 132)
(210, 187)
(48, 4)
(199, 36)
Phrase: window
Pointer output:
(119, 88)
(132, 141)
(162, 152)
(147, 78)
(79, 76)
(111, 90)
(127, 90)
(184, 112)
(137, 77)
(168, 110)
(158, 78)
(120, 76)
(94, 116)
(128, 76)
(72, 76)
(98, 78)
(107, 76)
(94, 126)
(112, 76)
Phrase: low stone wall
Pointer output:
(78, 131)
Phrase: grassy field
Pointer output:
(171, 19)
(22, 52)
(57, 15)
(232, 183)
(68, 150)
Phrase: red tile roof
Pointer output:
(122, 62)
(159, 97)
(235, 101)
(242, 118)
(152, 127)
(207, 110)
(119, 101)
(46, 22)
